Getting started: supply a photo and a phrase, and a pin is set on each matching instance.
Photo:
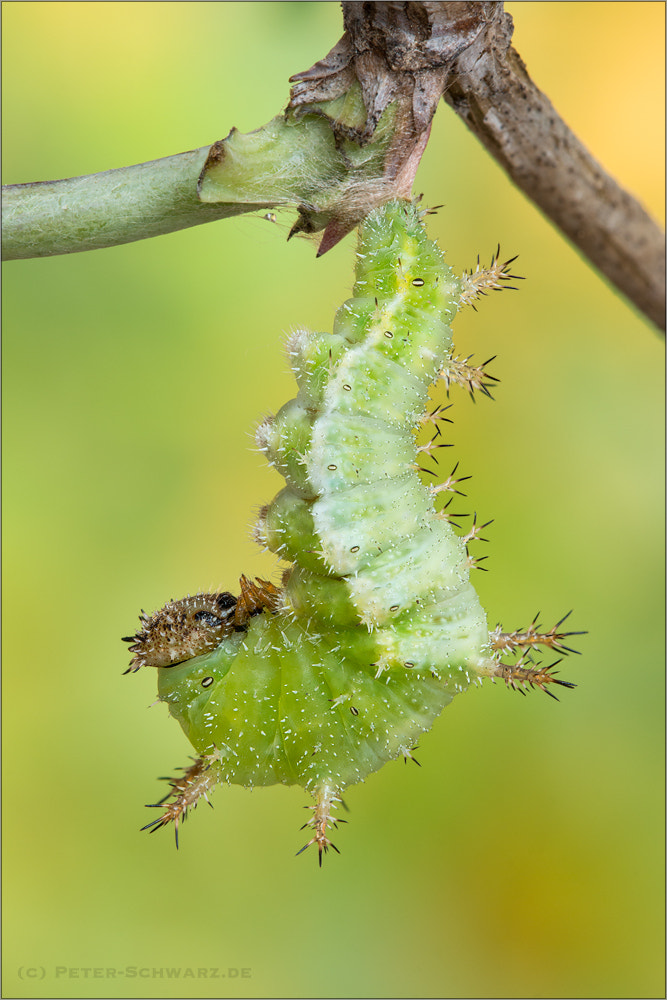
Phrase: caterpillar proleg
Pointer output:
(376, 625)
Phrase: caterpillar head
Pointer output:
(182, 629)
(187, 628)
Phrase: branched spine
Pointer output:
(518, 676)
(199, 779)
(472, 377)
(481, 280)
(523, 639)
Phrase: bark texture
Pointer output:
(490, 89)
(414, 52)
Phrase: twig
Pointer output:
(397, 55)
(103, 210)
(490, 89)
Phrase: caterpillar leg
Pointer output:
(327, 799)
(198, 779)
(255, 596)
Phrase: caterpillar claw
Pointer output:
(254, 598)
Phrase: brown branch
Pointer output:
(397, 56)
(410, 51)
(490, 89)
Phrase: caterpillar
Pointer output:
(376, 626)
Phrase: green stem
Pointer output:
(102, 210)
(294, 160)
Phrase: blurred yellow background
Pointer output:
(525, 857)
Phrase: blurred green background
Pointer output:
(524, 858)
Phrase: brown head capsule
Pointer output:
(195, 625)
(182, 629)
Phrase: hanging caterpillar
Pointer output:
(376, 626)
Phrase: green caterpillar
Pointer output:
(376, 626)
